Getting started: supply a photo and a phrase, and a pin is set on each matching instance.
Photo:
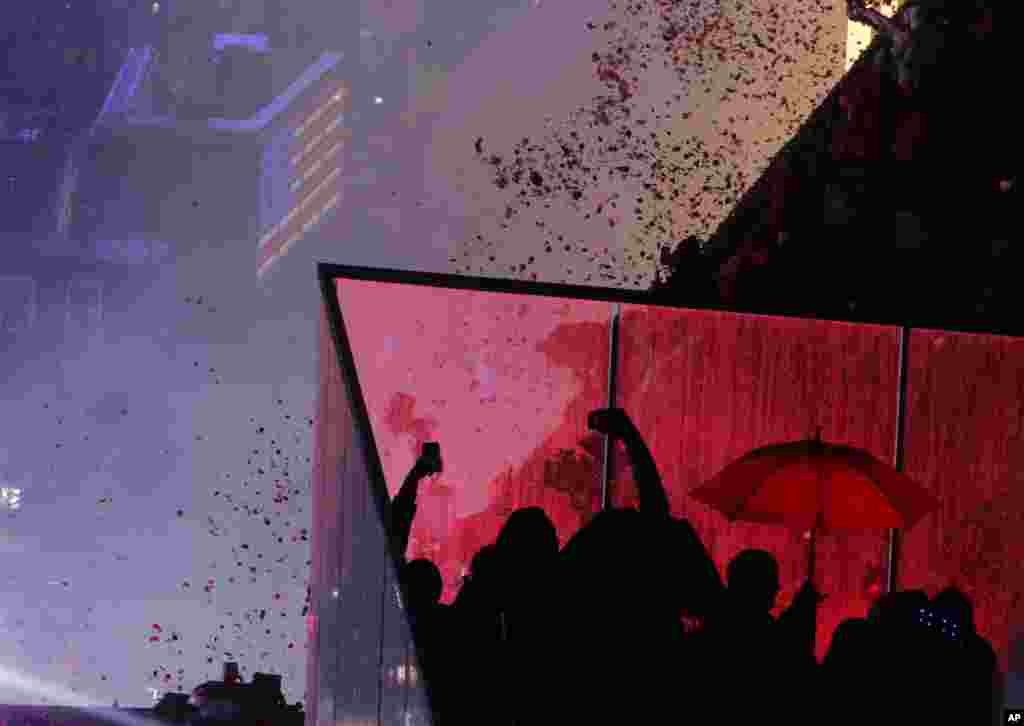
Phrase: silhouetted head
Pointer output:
(954, 601)
(898, 608)
(943, 35)
(485, 563)
(484, 576)
(851, 645)
(423, 584)
(615, 570)
(753, 579)
(528, 538)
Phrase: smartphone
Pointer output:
(432, 453)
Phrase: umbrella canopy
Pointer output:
(818, 486)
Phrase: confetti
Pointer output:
(623, 135)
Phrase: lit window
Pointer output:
(315, 167)
(331, 203)
(10, 498)
(270, 233)
(301, 206)
(312, 118)
(287, 246)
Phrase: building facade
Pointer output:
(302, 164)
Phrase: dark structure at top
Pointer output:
(894, 202)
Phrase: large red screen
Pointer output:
(504, 382)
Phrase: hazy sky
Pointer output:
(194, 392)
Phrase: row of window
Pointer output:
(313, 117)
(297, 158)
(314, 168)
(315, 219)
(294, 186)
(299, 208)
(312, 222)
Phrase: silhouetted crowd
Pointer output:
(630, 622)
(231, 701)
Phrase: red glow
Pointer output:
(505, 384)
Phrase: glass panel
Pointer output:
(352, 587)
(504, 383)
(963, 443)
(704, 388)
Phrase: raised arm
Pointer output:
(615, 423)
(403, 506)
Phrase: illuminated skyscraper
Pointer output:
(228, 175)
(302, 167)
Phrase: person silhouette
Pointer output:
(850, 651)
(421, 582)
(910, 663)
(617, 622)
(478, 595)
(403, 506)
(423, 585)
(431, 628)
(526, 555)
(477, 643)
(975, 678)
(695, 585)
(850, 663)
(743, 642)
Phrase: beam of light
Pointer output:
(68, 698)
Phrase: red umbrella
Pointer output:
(816, 486)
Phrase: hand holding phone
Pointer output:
(430, 458)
